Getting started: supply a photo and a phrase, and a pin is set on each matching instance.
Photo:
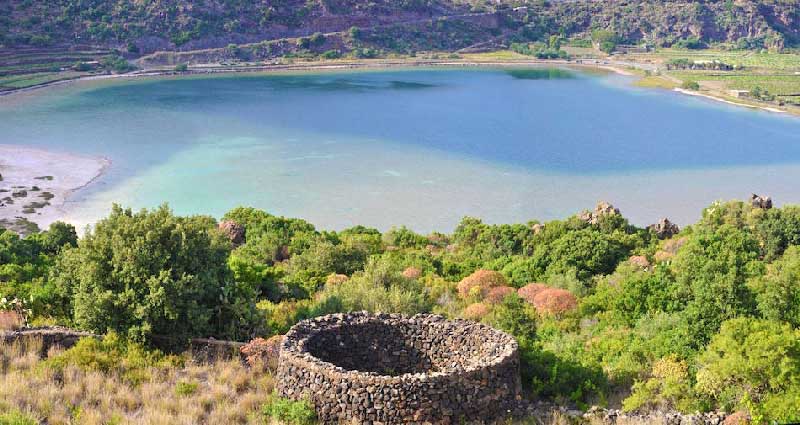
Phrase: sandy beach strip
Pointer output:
(36, 183)
(719, 99)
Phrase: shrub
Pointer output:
(498, 294)
(690, 85)
(529, 291)
(336, 279)
(412, 273)
(667, 388)
(778, 291)
(475, 311)
(182, 67)
(331, 54)
(152, 273)
(554, 301)
(111, 354)
(379, 288)
(186, 388)
(289, 411)
(10, 321)
(479, 283)
(15, 417)
(262, 352)
(748, 362)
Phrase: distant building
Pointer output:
(739, 93)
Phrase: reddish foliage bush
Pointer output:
(262, 352)
(412, 273)
(639, 261)
(554, 301)
(479, 283)
(738, 418)
(10, 321)
(529, 291)
(498, 294)
(475, 311)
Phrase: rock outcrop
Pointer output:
(603, 209)
(664, 229)
(762, 202)
(234, 231)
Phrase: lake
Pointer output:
(416, 147)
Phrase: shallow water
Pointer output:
(416, 147)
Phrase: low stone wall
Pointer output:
(394, 369)
(50, 337)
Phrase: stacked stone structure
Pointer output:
(395, 369)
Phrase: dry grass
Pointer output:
(223, 393)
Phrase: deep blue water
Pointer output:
(416, 147)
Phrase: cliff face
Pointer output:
(181, 25)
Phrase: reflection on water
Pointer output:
(541, 74)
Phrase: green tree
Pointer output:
(778, 291)
(749, 361)
(152, 273)
(711, 271)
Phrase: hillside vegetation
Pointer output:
(137, 28)
(605, 312)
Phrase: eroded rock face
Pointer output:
(395, 369)
(763, 202)
(664, 229)
(234, 231)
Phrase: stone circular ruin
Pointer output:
(395, 369)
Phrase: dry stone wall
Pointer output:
(395, 369)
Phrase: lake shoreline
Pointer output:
(620, 68)
(38, 183)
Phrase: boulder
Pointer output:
(762, 202)
(234, 231)
(664, 229)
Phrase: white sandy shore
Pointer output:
(26, 169)
(746, 105)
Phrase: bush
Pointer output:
(289, 411)
(111, 354)
(748, 362)
(379, 288)
(152, 273)
(690, 85)
(186, 388)
(778, 291)
(554, 301)
(478, 284)
(181, 67)
(331, 54)
(667, 388)
(15, 417)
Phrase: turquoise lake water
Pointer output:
(419, 147)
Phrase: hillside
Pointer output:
(139, 28)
